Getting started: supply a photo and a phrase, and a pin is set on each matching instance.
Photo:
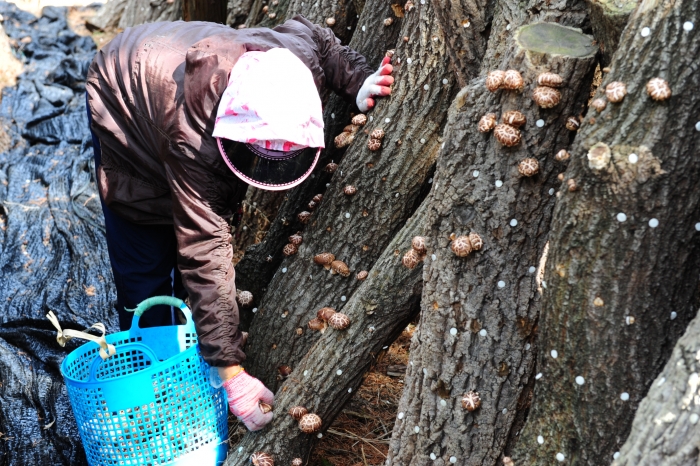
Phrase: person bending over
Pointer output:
(184, 116)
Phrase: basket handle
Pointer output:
(106, 350)
(122, 348)
(146, 304)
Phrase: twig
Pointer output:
(364, 460)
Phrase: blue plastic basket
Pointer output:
(151, 403)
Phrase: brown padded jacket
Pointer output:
(153, 93)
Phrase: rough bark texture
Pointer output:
(126, 13)
(342, 12)
(665, 430)
(622, 270)
(479, 313)
(334, 366)
(466, 25)
(609, 18)
(205, 10)
(357, 229)
(238, 12)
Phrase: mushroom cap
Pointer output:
(476, 241)
(514, 118)
(344, 139)
(471, 401)
(339, 321)
(461, 246)
(599, 104)
(549, 80)
(296, 239)
(411, 259)
(546, 97)
(330, 21)
(331, 167)
(265, 9)
(658, 89)
(599, 156)
(297, 412)
(408, 6)
(361, 275)
(310, 423)
(325, 313)
(244, 298)
(377, 134)
(360, 119)
(352, 128)
(562, 156)
(325, 258)
(616, 91)
(297, 462)
(388, 22)
(528, 167)
(573, 123)
(304, 217)
(340, 268)
(487, 123)
(265, 408)
(284, 370)
(507, 461)
(290, 249)
(507, 135)
(494, 80)
(390, 53)
(513, 80)
(418, 244)
(311, 205)
(571, 185)
(349, 190)
(317, 198)
(317, 324)
(374, 144)
(261, 458)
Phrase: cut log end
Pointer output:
(554, 39)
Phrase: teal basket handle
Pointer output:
(146, 304)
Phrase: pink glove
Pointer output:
(377, 84)
(244, 395)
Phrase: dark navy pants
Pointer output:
(144, 262)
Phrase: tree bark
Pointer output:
(334, 366)
(664, 429)
(623, 261)
(205, 10)
(357, 229)
(479, 313)
(609, 18)
(122, 14)
(238, 12)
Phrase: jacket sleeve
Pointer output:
(205, 262)
(345, 70)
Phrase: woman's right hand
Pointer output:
(244, 396)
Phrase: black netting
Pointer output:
(53, 254)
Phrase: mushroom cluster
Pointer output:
(545, 94)
(328, 261)
(327, 317)
(308, 422)
(345, 138)
(375, 139)
(511, 80)
(462, 246)
(416, 254)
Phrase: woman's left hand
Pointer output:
(377, 84)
